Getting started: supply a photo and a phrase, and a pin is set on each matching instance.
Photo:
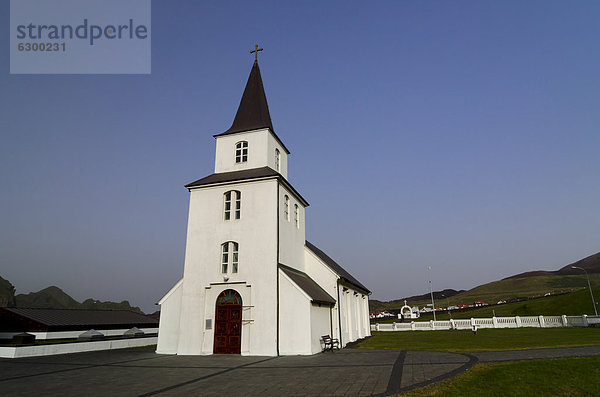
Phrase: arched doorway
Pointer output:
(228, 323)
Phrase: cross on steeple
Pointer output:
(255, 52)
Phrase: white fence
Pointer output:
(493, 322)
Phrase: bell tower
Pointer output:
(251, 141)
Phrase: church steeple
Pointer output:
(253, 112)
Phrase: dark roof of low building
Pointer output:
(344, 275)
(63, 319)
(308, 285)
(246, 175)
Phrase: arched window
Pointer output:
(229, 257)
(297, 215)
(277, 160)
(286, 208)
(241, 152)
(229, 297)
(232, 205)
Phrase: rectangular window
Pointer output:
(232, 205)
(238, 205)
(241, 152)
(234, 262)
(286, 208)
(297, 215)
(227, 206)
(225, 258)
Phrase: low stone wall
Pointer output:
(63, 348)
(74, 334)
(493, 322)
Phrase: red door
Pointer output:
(228, 323)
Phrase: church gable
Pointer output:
(333, 265)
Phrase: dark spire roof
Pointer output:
(253, 112)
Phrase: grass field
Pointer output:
(484, 340)
(559, 377)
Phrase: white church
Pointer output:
(252, 284)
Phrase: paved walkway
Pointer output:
(349, 372)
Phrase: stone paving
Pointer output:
(348, 372)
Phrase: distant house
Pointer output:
(380, 315)
(479, 303)
(501, 301)
(70, 323)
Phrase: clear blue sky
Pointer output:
(459, 135)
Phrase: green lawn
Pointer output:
(484, 340)
(559, 377)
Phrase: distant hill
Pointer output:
(591, 264)
(54, 298)
(7, 293)
(48, 298)
(98, 305)
(572, 304)
(514, 288)
(377, 306)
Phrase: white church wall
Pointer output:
(327, 279)
(320, 324)
(271, 158)
(255, 233)
(352, 331)
(294, 318)
(367, 319)
(168, 329)
(355, 314)
(360, 317)
(257, 151)
(350, 307)
(261, 152)
(291, 237)
(343, 319)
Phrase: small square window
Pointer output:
(241, 152)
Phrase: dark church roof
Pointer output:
(344, 275)
(18, 319)
(308, 285)
(243, 175)
(234, 176)
(253, 112)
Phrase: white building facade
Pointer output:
(252, 284)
